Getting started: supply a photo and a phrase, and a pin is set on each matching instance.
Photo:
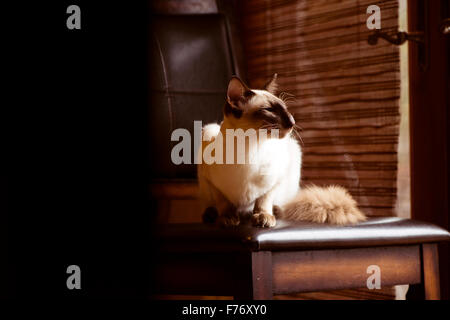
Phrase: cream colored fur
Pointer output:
(272, 180)
(332, 204)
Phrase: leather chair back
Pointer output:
(191, 64)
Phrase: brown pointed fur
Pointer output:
(331, 204)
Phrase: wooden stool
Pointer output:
(255, 263)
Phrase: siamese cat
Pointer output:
(266, 185)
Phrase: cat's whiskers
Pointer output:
(269, 125)
(294, 129)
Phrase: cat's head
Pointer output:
(258, 109)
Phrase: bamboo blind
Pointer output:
(347, 92)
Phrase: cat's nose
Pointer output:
(290, 121)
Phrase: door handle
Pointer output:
(419, 36)
(398, 38)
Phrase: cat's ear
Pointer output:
(237, 91)
(272, 85)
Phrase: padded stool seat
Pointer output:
(287, 235)
(256, 263)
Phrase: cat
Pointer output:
(268, 187)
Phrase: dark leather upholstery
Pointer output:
(190, 69)
(300, 235)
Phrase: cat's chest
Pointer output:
(243, 183)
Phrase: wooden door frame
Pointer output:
(429, 122)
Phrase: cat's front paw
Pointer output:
(265, 220)
(229, 220)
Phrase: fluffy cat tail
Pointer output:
(331, 204)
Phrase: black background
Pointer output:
(76, 172)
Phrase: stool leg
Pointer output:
(430, 262)
(262, 275)
(254, 277)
